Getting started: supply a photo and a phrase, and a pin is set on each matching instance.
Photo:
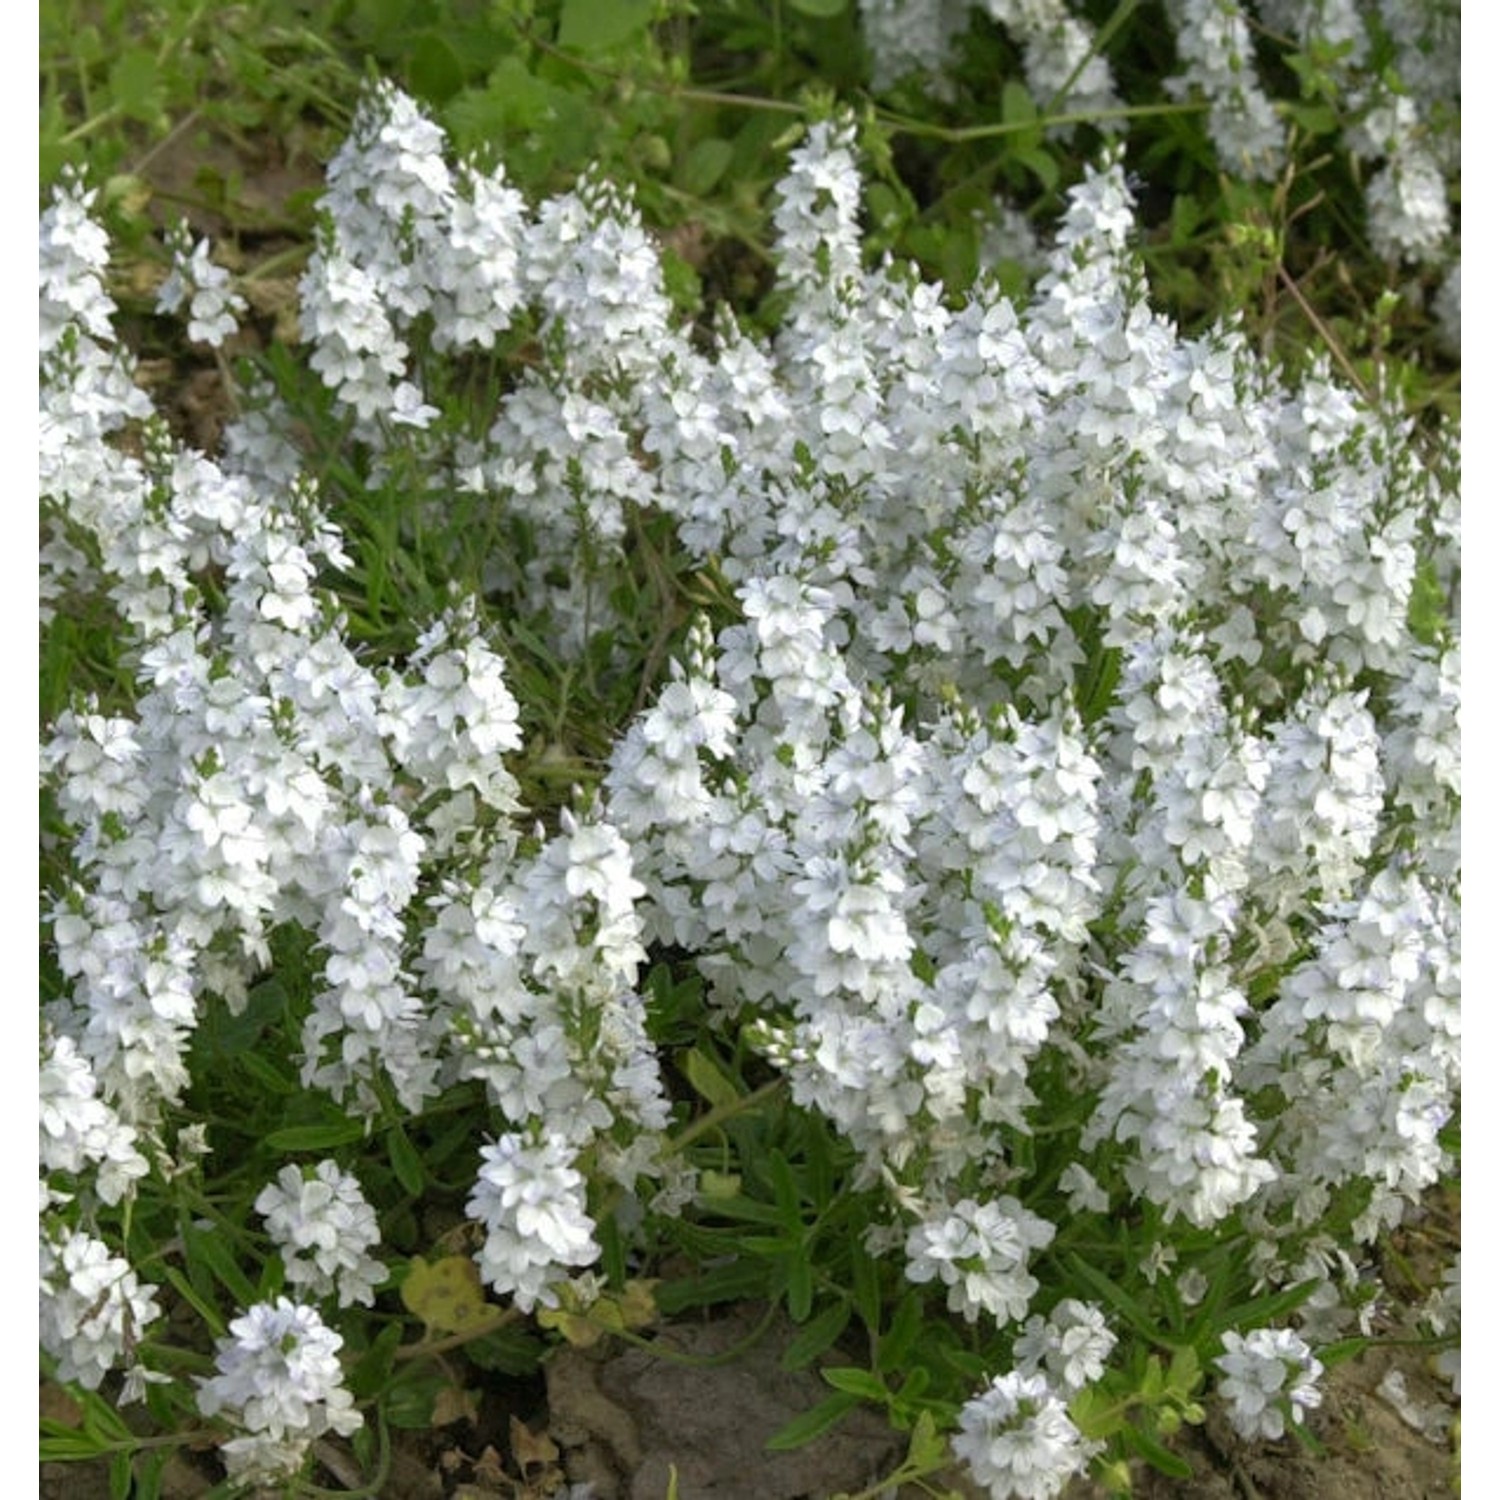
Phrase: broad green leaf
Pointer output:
(597, 25)
(1017, 107)
(369, 1375)
(822, 9)
(709, 1079)
(435, 70)
(811, 1424)
(704, 165)
(133, 84)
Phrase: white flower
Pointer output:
(979, 1251)
(1018, 1440)
(1269, 1375)
(280, 1382)
(1070, 1347)
(530, 1198)
(93, 1309)
(323, 1227)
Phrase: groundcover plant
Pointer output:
(1020, 933)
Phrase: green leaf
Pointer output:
(148, 1472)
(133, 84)
(811, 1424)
(709, 1079)
(1259, 1312)
(822, 9)
(902, 1334)
(207, 1248)
(1117, 1297)
(434, 69)
(737, 1281)
(508, 1351)
(856, 1382)
(820, 1334)
(597, 25)
(788, 1196)
(119, 1476)
(929, 1448)
(866, 1277)
(64, 1445)
(410, 1398)
(1017, 107)
(704, 165)
(316, 1137)
(1157, 1456)
(369, 1376)
(406, 1162)
(799, 1287)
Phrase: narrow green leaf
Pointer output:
(799, 1287)
(1260, 1312)
(208, 1248)
(866, 1277)
(1157, 1456)
(902, 1334)
(1117, 1297)
(819, 1335)
(739, 1280)
(811, 1424)
(316, 1137)
(788, 1197)
(856, 1382)
(148, 1472)
(119, 1476)
(406, 1161)
(822, 9)
(66, 1446)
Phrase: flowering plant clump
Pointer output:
(1054, 808)
(1389, 66)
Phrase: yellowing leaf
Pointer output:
(454, 1404)
(530, 1447)
(446, 1295)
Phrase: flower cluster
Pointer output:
(1392, 64)
(1268, 1376)
(279, 1382)
(1080, 742)
(324, 1229)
